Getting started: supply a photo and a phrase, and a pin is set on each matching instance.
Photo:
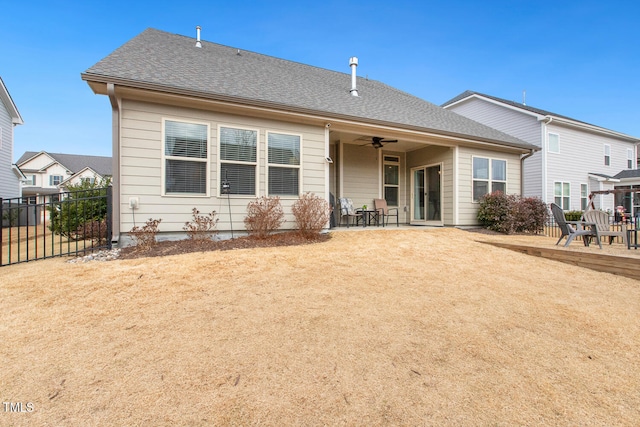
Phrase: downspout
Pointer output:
(522, 159)
(115, 159)
(544, 143)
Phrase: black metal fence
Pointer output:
(62, 224)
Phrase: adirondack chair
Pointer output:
(601, 219)
(570, 232)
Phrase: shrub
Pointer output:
(311, 213)
(512, 213)
(264, 215)
(573, 215)
(85, 202)
(146, 236)
(201, 227)
(94, 230)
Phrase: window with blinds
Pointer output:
(185, 158)
(238, 159)
(284, 164)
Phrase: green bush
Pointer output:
(83, 204)
(573, 215)
(512, 213)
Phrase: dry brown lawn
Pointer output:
(376, 327)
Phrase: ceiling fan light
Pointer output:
(376, 144)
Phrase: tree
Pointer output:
(78, 211)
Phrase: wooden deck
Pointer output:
(623, 266)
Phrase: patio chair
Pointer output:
(382, 208)
(347, 211)
(570, 232)
(601, 219)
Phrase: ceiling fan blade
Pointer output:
(389, 140)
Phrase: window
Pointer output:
(607, 155)
(584, 196)
(31, 180)
(554, 143)
(489, 175)
(391, 180)
(630, 159)
(185, 158)
(238, 159)
(89, 181)
(561, 193)
(55, 179)
(284, 164)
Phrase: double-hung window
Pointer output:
(31, 180)
(489, 175)
(391, 179)
(55, 179)
(584, 196)
(238, 159)
(554, 143)
(284, 164)
(630, 159)
(185, 158)
(562, 195)
(607, 155)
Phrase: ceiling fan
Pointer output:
(379, 142)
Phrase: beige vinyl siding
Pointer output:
(141, 166)
(360, 174)
(468, 209)
(430, 156)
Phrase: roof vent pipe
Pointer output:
(353, 63)
(198, 44)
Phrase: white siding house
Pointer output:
(10, 175)
(574, 158)
(271, 127)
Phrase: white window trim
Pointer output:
(256, 164)
(278, 165)
(52, 179)
(585, 197)
(607, 147)
(549, 143)
(384, 185)
(164, 157)
(630, 159)
(489, 180)
(562, 196)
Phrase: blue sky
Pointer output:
(576, 58)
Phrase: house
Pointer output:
(48, 174)
(10, 174)
(574, 158)
(190, 116)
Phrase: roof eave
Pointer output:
(261, 104)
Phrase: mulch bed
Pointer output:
(176, 247)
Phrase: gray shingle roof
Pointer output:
(469, 93)
(628, 173)
(159, 60)
(75, 162)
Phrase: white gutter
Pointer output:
(115, 160)
(544, 143)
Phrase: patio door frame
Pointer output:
(425, 185)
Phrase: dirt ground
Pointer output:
(374, 327)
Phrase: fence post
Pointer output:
(109, 216)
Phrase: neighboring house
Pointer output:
(48, 174)
(189, 115)
(629, 200)
(10, 175)
(575, 158)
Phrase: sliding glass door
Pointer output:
(426, 195)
